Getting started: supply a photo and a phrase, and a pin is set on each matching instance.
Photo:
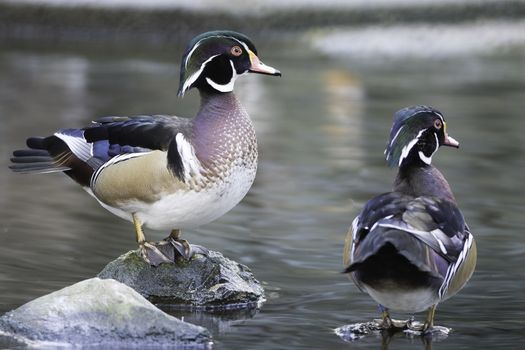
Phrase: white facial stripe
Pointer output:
(215, 36)
(440, 116)
(406, 150)
(392, 142)
(226, 87)
(396, 135)
(191, 53)
(196, 75)
(243, 44)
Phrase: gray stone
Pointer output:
(210, 282)
(98, 312)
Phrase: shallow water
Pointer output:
(322, 128)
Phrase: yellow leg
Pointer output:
(181, 245)
(152, 253)
(138, 229)
(185, 249)
(175, 234)
(387, 321)
(429, 321)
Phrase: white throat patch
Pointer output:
(228, 87)
(424, 158)
(197, 74)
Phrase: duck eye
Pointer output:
(438, 124)
(236, 51)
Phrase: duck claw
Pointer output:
(187, 250)
(167, 250)
(156, 253)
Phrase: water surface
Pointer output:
(322, 129)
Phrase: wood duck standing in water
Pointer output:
(166, 172)
(411, 248)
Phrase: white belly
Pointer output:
(188, 209)
(412, 301)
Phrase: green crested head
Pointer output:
(213, 60)
(416, 134)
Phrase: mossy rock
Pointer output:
(210, 282)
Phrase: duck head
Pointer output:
(416, 135)
(213, 61)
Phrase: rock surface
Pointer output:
(210, 282)
(408, 328)
(103, 313)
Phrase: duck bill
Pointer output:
(258, 67)
(450, 141)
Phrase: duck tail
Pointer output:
(385, 243)
(36, 159)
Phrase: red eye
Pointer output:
(236, 51)
(438, 124)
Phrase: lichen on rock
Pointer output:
(210, 282)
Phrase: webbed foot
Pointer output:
(185, 249)
(156, 253)
(167, 251)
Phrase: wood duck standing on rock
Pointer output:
(411, 248)
(167, 172)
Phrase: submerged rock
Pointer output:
(210, 282)
(407, 328)
(98, 312)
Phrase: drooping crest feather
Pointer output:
(200, 51)
(409, 125)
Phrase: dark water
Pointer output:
(322, 128)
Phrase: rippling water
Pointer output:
(322, 128)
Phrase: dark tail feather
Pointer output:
(394, 242)
(30, 152)
(51, 155)
(351, 268)
(36, 160)
(37, 143)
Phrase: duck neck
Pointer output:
(423, 180)
(221, 123)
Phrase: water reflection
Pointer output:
(387, 338)
(218, 323)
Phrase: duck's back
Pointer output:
(410, 252)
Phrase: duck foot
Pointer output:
(156, 253)
(167, 251)
(407, 328)
(390, 324)
(420, 329)
(410, 326)
(185, 249)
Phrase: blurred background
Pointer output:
(347, 67)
